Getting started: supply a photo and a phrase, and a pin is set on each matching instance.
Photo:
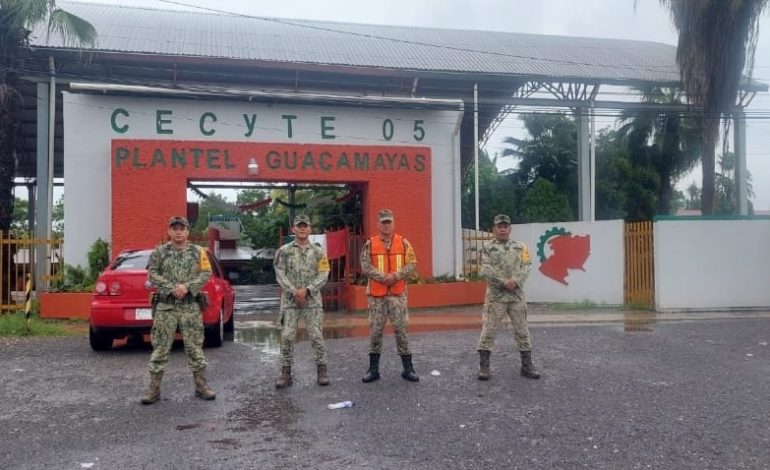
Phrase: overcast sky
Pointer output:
(593, 18)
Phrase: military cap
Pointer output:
(178, 220)
(385, 214)
(301, 219)
(502, 219)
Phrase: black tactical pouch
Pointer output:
(154, 301)
(203, 301)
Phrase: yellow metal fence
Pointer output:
(639, 285)
(17, 266)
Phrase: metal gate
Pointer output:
(17, 261)
(639, 285)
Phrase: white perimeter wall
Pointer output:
(712, 264)
(600, 281)
(88, 135)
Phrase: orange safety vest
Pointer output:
(387, 261)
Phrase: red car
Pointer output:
(121, 305)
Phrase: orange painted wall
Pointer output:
(149, 185)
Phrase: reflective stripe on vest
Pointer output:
(387, 261)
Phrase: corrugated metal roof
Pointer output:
(173, 32)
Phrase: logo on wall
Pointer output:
(567, 251)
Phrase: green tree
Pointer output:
(717, 40)
(544, 203)
(497, 194)
(693, 197)
(726, 196)
(549, 152)
(663, 140)
(17, 19)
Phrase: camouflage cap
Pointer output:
(301, 219)
(502, 219)
(385, 214)
(178, 220)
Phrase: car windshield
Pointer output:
(132, 261)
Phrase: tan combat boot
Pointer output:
(202, 389)
(285, 379)
(484, 364)
(153, 392)
(323, 378)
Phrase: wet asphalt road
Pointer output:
(678, 395)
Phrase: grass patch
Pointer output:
(637, 306)
(15, 324)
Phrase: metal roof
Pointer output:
(136, 30)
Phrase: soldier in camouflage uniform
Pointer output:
(387, 259)
(179, 270)
(301, 269)
(506, 264)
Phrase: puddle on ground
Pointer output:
(639, 322)
(265, 334)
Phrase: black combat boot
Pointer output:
(484, 364)
(285, 378)
(322, 377)
(374, 369)
(527, 369)
(408, 373)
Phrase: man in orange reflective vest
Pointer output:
(386, 260)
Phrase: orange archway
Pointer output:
(149, 181)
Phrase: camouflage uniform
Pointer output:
(501, 261)
(298, 267)
(168, 267)
(393, 307)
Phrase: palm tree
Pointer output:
(17, 19)
(665, 141)
(549, 153)
(716, 37)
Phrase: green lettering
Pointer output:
(392, 160)
(308, 162)
(121, 154)
(273, 159)
(158, 159)
(119, 129)
(228, 163)
(136, 162)
(159, 121)
(250, 124)
(204, 116)
(212, 157)
(178, 158)
(403, 162)
(343, 161)
(362, 161)
(197, 154)
(290, 160)
(325, 128)
(323, 161)
(289, 118)
(419, 163)
(379, 164)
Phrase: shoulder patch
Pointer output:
(323, 264)
(204, 264)
(411, 258)
(525, 253)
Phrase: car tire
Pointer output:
(99, 341)
(230, 327)
(214, 334)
